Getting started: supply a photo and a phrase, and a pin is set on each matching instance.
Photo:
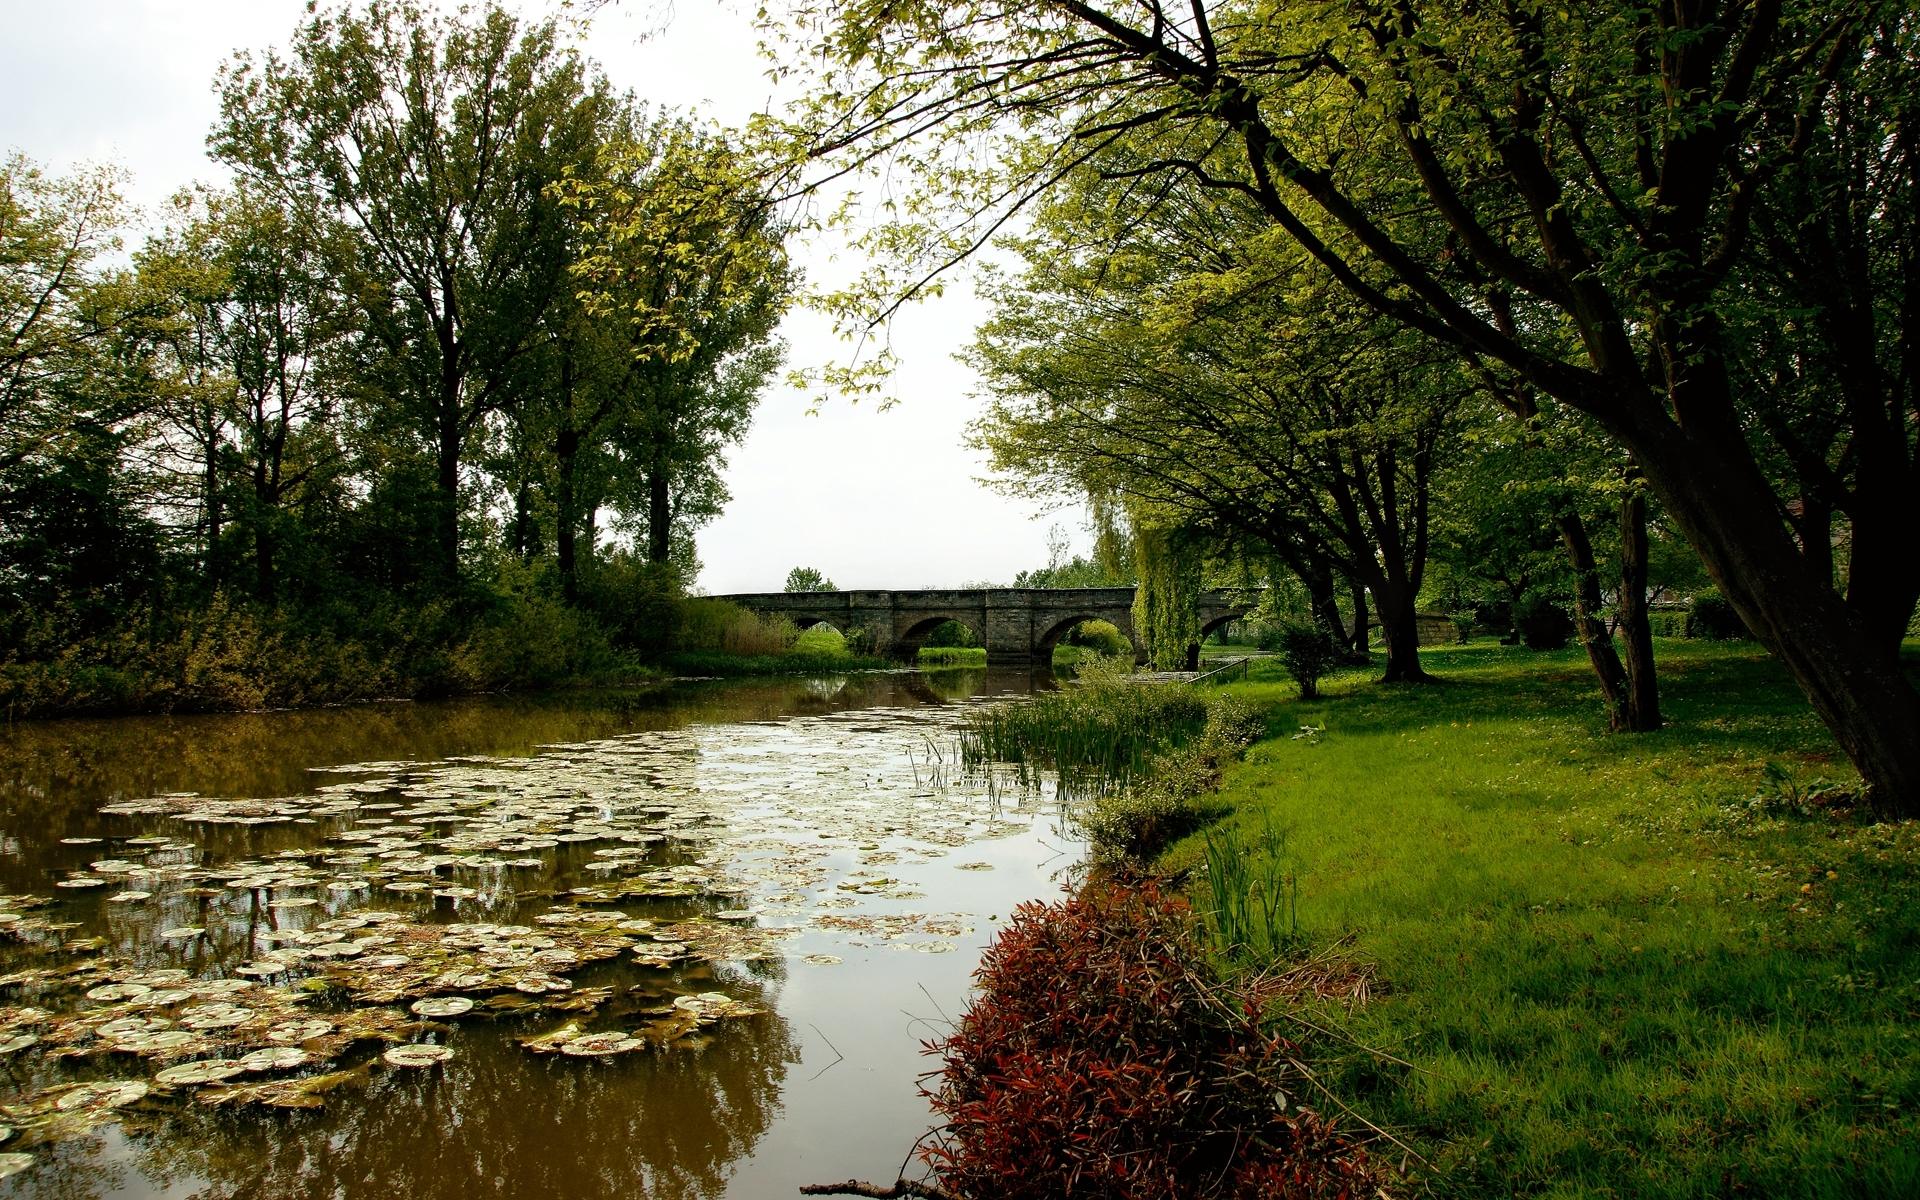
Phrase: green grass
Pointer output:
(953, 656)
(816, 651)
(1603, 981)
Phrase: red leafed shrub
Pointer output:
(1101, 1059)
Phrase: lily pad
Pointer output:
(114, 1093)
(443, 1006)
(293, 1032)
(416, 1054)
(194, 1074)
(274, 1058)
(599, 1045)
(13, 1164)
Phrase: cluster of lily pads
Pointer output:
(418, 895)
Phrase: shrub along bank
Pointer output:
(513, 633)
(1659, 965)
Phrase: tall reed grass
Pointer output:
(1254, 914)
(1097, 735)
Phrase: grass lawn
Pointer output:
(1605, 976)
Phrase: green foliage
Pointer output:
(1308, 651)
(952, 656)
(1097, 733)
(708, 625)
(1101, 637)
(1252, 912)
(1164, 615)
(1712, 617)
(808, 579)
(1173, 795)
(1543, 624)
(952, 635)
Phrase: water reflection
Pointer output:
(797, 804)
(577, 1130)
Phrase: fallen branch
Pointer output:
(904, 1188)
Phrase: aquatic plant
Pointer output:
(1098, 734)
(1254, 891)
(1174, 795)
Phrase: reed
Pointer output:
(1254, 914)
(1098, 735)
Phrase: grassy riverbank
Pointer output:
(1611, 965)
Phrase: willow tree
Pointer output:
(434, 140)
(1563, 192)
(1166, 615)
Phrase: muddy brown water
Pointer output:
(806, 850)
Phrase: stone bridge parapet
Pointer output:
(1018, 626)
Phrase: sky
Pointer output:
(875, 497)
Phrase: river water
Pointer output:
(684, 943)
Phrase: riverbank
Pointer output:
(261, 668)
(1625, 965)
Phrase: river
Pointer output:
(674, 944)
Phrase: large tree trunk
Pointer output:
(1728, 514)
(1883, 571)
(211, 485)
(451, 428)
(266, 506)
(566, 446)
(659, 516)
(1401, 631)
(525, 540)
(1323, 598)
(1636, 623)
(446, 516)
(1593, 632)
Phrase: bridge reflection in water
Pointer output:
(1018, 626)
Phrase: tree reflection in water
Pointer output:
(497, 1120)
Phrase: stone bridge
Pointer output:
(1018, 626)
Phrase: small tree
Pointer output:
(1307, 651)
(808, 579)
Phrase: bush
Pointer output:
(1174, 795)
(1101, 637)
(1101, 1059)
(1308, 652)
(952, 635)
(638, 603)
(1543, 624)
(1711, 616)
(1667, 624)
(531, 640)
(721, 627)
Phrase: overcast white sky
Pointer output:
(875, 499)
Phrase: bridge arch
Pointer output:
(1046, 640)
(908, 638)
(1208, 626)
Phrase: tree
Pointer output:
(1119, 368)
(59, 309)
(435, 140)
(1560, 193)
(685, 261)
(1166, 620)
(808, 579)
